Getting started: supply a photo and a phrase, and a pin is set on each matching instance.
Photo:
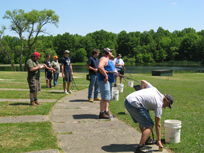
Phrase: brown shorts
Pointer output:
(34, 85)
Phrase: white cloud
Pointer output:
(174, 3)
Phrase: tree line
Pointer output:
(138, 47)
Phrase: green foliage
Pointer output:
(145, 47)
(81, 55)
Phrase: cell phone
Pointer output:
(41, 66)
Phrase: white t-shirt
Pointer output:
(150, 98)
(118, 61)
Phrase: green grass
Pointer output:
(187, 90)
(26, 137)
(22, 109)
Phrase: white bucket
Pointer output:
(130, 83)
(172, 131)
(115, 95)
(120, 87)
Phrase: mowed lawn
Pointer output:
(24, 137)
(188, 107)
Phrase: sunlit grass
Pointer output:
(188, 107)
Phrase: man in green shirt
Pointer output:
(34, 77)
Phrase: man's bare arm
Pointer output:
(144, 84)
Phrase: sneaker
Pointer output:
(107, 113)
(140, 149)
(33, 103)
(149, 141)
(36, 102)
(98, 99)
(103, 116)
(66, 92)
(115, 85)
(70, 91)
(90, 100)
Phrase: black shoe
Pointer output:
(115, 85)
(149, 141)
(139, 149)
(103, 116)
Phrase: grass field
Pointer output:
(26, 137)
(186, 88)
(188, 107)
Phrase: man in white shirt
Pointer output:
(138, 105)
(119, 63)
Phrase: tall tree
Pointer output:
(31, 25)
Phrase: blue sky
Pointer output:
(86, 16)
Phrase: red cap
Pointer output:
(37, 54)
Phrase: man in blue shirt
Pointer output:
(67, 72)
(105, 82)
(92, 65)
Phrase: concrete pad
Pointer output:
(22, 119)
(95, 142)
(86, 127)
(75, 112)
(45, 151)
(65, 105)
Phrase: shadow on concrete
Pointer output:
(120, 148)
(85, 116)
(19, 104)
(124, 148)
(80, 100)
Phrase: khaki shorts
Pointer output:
(34, 85)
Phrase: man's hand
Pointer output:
(72, 73)
(63, 75)
(106, 78)
(96, 70)
(159, 144)
(39, 66)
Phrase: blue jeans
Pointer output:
(139, 115)
(56, 75)
(93, 83)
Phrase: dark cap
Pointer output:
(119, 55)
(170, 99)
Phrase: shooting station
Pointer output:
(164, 72)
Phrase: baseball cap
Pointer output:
(66, 51)
(55, 57)
(170, 99)
(119, 55)
(108, 49)
(37, 54)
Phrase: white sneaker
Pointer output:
(70, 91)
(66, 92)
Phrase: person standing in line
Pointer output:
(138, 105)
(48, 72)
(56, 66)
(119, 66)
(34, 77)
(67, 72)
(105, 82)
(92, 65)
